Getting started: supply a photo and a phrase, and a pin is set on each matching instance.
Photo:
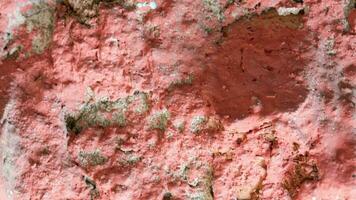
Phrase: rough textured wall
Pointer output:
(169, 100)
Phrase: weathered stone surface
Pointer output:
(189, 99)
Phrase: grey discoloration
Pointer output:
(9, 151)
(41, 19)
(348, 6)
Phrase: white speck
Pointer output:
(153, 5)
(282, 11)
(140, 5)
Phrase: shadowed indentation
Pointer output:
(257, 68)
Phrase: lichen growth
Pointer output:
(92, 158)
(90, 115)
(181, 82)
(130, 159)
(170, 135)
(209, 124)
(142, 105)
(200, 196)
(104, 112)
(179, 125)
(208, 30)
(329, 46)
(119, 118)
(14, 52)
(182, 173)
(151, 32)
(194, 183)
(84, 9)
(159, 120)
(197, 124)
(214, 7)
(205, 186)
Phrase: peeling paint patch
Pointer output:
(283, 11)
(39, 18)
(14, 20)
